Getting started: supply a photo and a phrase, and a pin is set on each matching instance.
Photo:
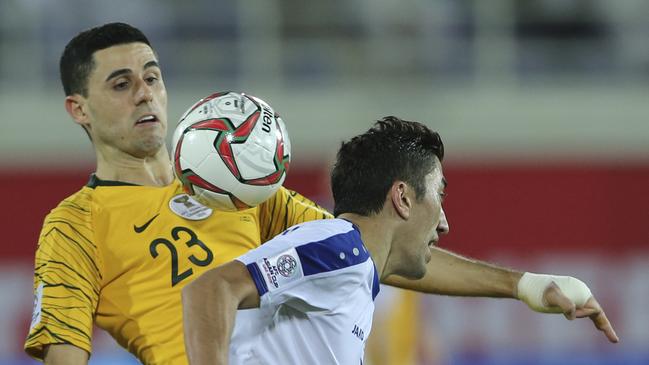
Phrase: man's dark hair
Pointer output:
(367, 165)
(77, 59)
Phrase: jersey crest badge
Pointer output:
(286, 265)
(281, 270)
(188, 208)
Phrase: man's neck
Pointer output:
(377, 235)
(149, 171)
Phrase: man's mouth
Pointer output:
(148, 118)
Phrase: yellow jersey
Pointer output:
(118, 255)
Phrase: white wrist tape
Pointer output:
(531, 288)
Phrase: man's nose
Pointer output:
(143, 92)
(442, 227)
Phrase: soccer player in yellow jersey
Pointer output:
(118, 252)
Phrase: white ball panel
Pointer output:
(254, 195)
(213, 170)
(197, 146)
(230, 106)
(254, 160)
(184, 164)
(195, 116)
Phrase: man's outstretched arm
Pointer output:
(452, 274)
(210, 304)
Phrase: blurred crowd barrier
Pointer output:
(290, 41)
(506, 78)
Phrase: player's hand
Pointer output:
(554, 297)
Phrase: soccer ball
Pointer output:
(231, 151)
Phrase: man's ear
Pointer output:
(400, 200)
(75, 105)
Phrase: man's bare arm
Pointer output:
(210, 304)
(451, 274)
(64, 354)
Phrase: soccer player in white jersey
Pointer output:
(315, 283)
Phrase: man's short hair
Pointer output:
(77, 60)
(367, 165)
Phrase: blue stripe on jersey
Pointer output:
(257, 277)
(376, 285)
(333, 253)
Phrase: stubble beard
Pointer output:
(414, 269)
(148, 147)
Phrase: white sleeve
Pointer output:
(313, 276)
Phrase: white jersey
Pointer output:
(317, 285)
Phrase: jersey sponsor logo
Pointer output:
(38, 304)
(188, 208)
(281, 270)
(141, 228)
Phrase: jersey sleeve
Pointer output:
(67, 279)
(285, 209)
(299, 275)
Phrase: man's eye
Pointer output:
(121, 85)
(151, 79)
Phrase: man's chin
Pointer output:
(414, 273)
(149, 148)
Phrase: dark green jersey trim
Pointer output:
(95, 181)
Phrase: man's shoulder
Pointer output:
(324, 230)
(109, 195)
(285, 197)
(330, 245)
(96, 200)
(321, 235)
(96, 190)
(69, 221)
(74, 213)
(328, 254)
(321, 246)
(80, 201)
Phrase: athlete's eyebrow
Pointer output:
(152, 63)
(124, 71)
(117, 73)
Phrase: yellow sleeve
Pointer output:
(67, 280)
(287, 208)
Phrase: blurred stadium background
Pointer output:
(542, 104)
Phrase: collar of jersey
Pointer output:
(94, 181)
(352, 223)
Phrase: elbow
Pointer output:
(227, 285)
(199, 298)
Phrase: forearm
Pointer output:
(451, 274)
(60, 354)
(209, 311)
